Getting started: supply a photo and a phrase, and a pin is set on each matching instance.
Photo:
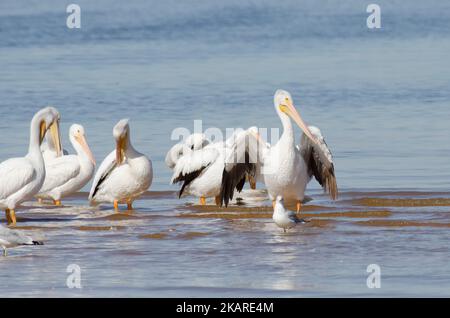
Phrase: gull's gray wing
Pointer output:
(16, 237)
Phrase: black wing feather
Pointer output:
(104, 177)
(321, 169)
(187, 179)
(235, 179)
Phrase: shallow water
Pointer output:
(381, 99)
(168, 247)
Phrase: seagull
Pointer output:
(284, 219)
(125, 173)
(12, 238)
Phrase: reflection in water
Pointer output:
(283, 252)
(206, 250)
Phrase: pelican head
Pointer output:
(121, 133)
(196, 141)
(49, 119)
(254, 131)
(284, 105)
(77, 136)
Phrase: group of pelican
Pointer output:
(48, 172)
(217, 169)
(206, 169)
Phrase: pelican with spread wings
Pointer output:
(199, 167)
(285, 168)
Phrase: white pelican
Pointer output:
(284, 168)
(12, 238)
(124, 175)
(193, 142)
(66, 175)
(23, 177)
(283, 218)
(201, 170)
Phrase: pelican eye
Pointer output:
(192, 147)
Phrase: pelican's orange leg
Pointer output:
(252, 182)
(57, 202)
(116, 205)
(8, 218)
(11, 217)
(202, 201)
(299, 206)
(130, 206)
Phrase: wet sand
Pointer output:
(171, 247)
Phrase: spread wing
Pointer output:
(243, 158)
(103, 172)
(190, 166)
(59, 171)
(14, 175)
(319, 161)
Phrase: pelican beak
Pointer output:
(289, 109)
(56, 137)
(84, 145)
(42, 131)
(120, 150)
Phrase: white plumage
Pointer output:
(48, 149)
(23, 177)
(125, 173)
(283, 218)
(193, 142)
(200, 170)
(68, 174)
(13, 238)
(284, 167)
